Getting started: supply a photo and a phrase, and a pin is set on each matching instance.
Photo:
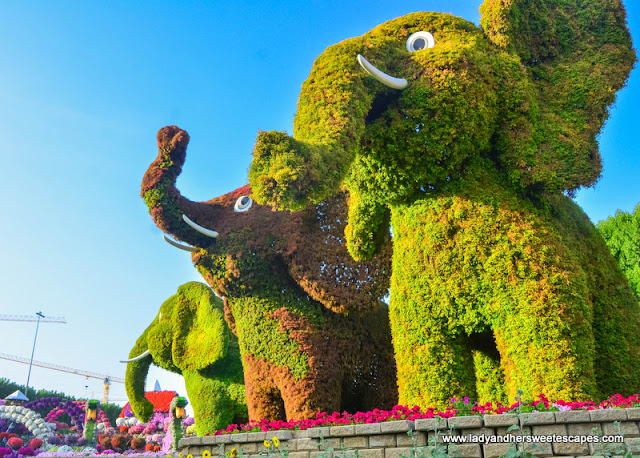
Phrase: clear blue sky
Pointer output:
(85, 86)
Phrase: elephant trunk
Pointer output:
(135, 380)
(166, 205)
(293, 172)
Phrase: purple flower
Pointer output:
(26, 451)
(189, 421)
(54, 440)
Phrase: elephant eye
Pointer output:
(420, 40)
(243, 204)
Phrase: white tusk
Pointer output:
(137, 358)
(200, 229)
(180, 245)
(396, 83)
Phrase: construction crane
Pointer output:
(44, 319)
(48, 319)
(106, 379)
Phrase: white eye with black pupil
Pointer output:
(420, 40)
(243, 204)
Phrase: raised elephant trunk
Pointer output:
(293, 172)
(167, 206)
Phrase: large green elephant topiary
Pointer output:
(189, 336)
(314, 335)
(471, 138)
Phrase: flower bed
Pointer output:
(459, 407)
(24, 433)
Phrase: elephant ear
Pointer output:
(200, 334)
(577, 54)
(160, 336)
(321, 264)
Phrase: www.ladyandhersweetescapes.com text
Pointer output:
(521, 439)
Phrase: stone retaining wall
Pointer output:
(396, 439)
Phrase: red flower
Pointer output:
(35, 443)
(15, 443)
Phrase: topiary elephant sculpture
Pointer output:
(313, 333)
(189, 336)
(472, 138)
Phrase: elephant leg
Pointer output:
(315, 393)
(433, 363)
(212, 406)
(375, 386)
(489, 378)
(548, 352)
(264, 400)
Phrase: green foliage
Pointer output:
(622, 235)
(7, 387)
(189, 337)
(496, 274)
(520, 449)
(539, 278)
(435, 447)
(89, 430)
(621, 449)
(112, 411)
(490, 384)
(176, 420)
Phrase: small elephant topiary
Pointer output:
(313, 332)
(471, 139)
(189, 336)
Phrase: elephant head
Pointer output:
(236, 243)
(418, 104)
(312, 329)
(189, 336)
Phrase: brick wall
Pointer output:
(403, 438)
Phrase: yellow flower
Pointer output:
(234, 452)
(180, 454)
(206, 454)
(189, 455)
(267, 444)
(276, 442)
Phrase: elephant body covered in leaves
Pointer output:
(471, 139)
(313, 332)
(189, 336)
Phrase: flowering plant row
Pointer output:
(458, 407)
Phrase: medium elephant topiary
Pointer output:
(189, 336)
(314, 335)
(471, 138)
